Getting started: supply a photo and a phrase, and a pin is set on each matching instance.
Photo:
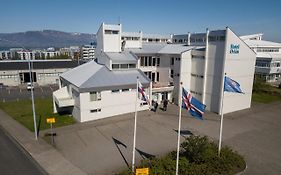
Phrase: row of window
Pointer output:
(123, 66)
(130, 38)
(120, 90)
(197, 76)
(8, 76)
(267, 64)
(149, 61)
(153, 76)
(268, 50)
(194, 92)
(197, 57)
(216, 38)
(111, 32)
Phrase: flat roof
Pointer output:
(262, 43)
(37, 64)
(121, 57)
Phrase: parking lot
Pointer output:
(13, 93)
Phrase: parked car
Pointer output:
(29, 86)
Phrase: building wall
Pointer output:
(213, 75)
(43, 76)
(111, 104)
(240, 67)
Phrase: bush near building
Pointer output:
(198, 156)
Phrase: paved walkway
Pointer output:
(105, 146)
(48, 157)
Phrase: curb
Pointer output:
(44, 155)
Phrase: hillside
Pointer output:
(45, 38)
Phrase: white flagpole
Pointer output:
(135, 127)
(179, 129)
(221, 123)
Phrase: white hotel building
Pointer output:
(268, 63)
(107, 87)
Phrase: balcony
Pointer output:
(62, 98)
(162, 86)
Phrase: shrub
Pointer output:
(198, 156)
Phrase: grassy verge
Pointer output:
(198, 156)
(22, 112)
(265, 97)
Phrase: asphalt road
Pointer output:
(14, 160)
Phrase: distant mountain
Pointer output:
(45, 38)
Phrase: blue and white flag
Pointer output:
(231, 85)
(194, 106)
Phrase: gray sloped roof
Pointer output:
(161, 49)
(262, 43)
(121, 57)
(95, 77)
(175, 49)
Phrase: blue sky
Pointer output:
(150, 16)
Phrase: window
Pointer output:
(124, 66)
(111, 31)
(153, 61)
(115, 91)
(125, 90)
(142, 61)
(95, 96)
(172, 60)
(132, 65)
(149, 61)
(172, 73)
(115, 66)
(157, 62)
(145, 61)
(197, 56)
(95, 110)
(157, 76)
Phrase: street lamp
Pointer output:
(32, 93)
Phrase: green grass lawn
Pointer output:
(22, 112)
(265, 98)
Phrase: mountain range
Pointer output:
(45, 38)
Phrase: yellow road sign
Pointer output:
(51, 120)
(142, 171)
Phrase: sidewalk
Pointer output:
(45, 155)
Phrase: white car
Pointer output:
(29, 86)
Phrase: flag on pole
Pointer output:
(194, 106)
(144, 97)
(231, 85)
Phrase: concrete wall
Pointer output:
(111, 104)
(239, 67)
(213, 75)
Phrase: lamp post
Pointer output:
(32, 94)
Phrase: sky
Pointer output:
(150, 16)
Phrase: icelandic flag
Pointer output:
(231, 85)
(194, 106)
(142, 92)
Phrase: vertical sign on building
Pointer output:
(234, 48)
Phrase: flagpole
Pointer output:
(179, 129)
(135, 128)
(221, 122)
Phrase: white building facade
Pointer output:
(268, 63)
(199, 61)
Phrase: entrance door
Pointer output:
(25, 78)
